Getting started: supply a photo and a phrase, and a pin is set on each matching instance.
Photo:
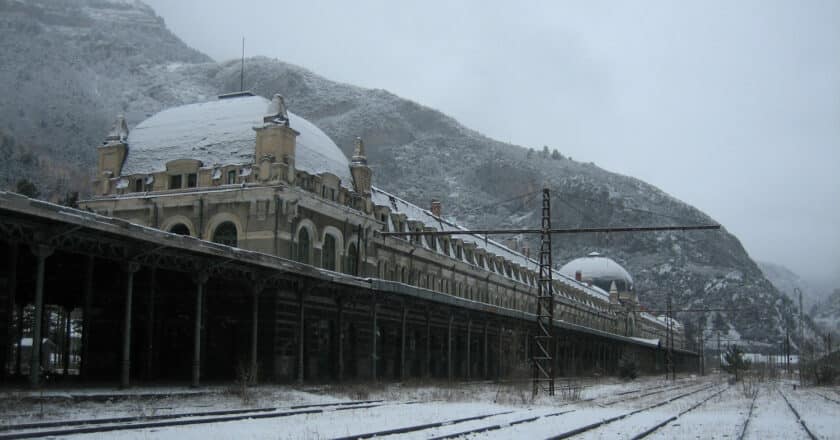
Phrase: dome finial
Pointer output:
(277, 111)
(119, 131)
(359, 154)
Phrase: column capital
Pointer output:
(41, 250)
(201, 277)
(130, 267)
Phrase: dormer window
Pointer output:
(138, 185)
(231, 177)
(175, 181)
(192, 180)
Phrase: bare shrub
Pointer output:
(628, 367)
(570, 390)
(246, 376)
(749, 386)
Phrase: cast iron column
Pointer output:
(427, 363)
(150, 324)
(373, 341)
(402, 343)
(41, 252)
(11, 290)
(301, 336)
(449, 347)
(469, 348)
(484, 352)
(255, 316)
(130, 269)
(200, 281)
(499, 354)
(87, 304)
(340, 342)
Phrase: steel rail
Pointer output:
(798, 417)
(656, 427)
(171, 420)
(609, 420)
(749, 416)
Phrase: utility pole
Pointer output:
(702, 345)
(541, 358)
(242, 68)
(801, 336)
(670, 369)
(787, 350)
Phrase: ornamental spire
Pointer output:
(119, 131)
(359, 157)
(277, 111)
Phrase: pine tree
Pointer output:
(734, 362)
(556, 155)
(545, 152)
(27, 188)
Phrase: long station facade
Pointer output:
(244, 172)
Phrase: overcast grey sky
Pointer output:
(733, 107)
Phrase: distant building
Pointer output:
(604, 273)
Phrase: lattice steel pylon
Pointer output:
(541, 357)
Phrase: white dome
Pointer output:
(599, 270)
(221, 132)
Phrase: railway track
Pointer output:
(102, 425)
(749, 416)
(610, 420)
(518, 419)
(89, 426)
(659, 425)
(826, 397)
(798, 417)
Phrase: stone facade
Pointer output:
(294, 195)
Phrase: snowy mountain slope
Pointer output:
(67, 66)
(786, 281)
(67, 81)
(826, 314)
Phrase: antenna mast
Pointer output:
(242, 68)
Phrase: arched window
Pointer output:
(304, 246)
(329, 252)
(225, 234)
(182, 229)
(352, 260)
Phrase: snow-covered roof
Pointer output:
(595, 266)
(660, 320)
(221, 132)
(416, 213)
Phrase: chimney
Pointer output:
(437, 209)
(578, 276)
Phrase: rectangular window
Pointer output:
(231, 177)
(138, 185)
(192, 180)
(175, 182)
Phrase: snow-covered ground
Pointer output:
(707, 408)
